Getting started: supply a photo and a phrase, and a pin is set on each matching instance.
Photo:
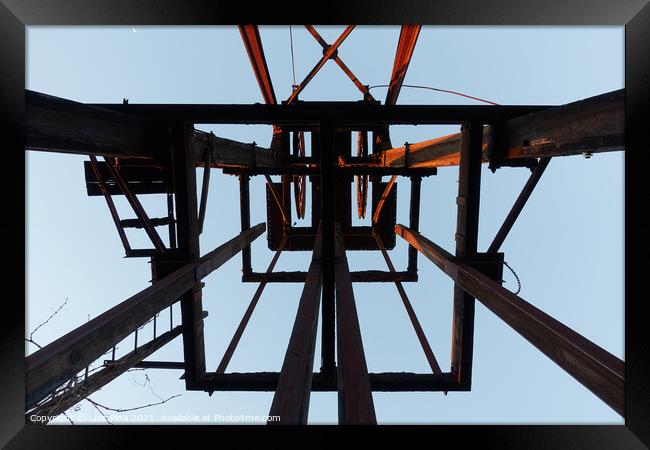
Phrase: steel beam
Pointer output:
(171, 224)
(362, 276)
(379, 382)
(595, 368)
(327, 54)
(174, 365)
(469, 187)
(278, 200)
(355, 395)
(382, 200)
(327, 204)
(414, 222)
(217, 152)
(253, 42)
(55, 124)
(439, 152)
(187, 230)
(67, 399)
(136, 206)
(111, 205)
(225, 360)
(592, 125)
(419, 332)
(408, 36)
(205, 187)
(355, 115)
(363, 88)
(405, 45)
(518, 206)
(49, 367)
(245, 212)
(356, 238)
(291, 399)
(344, 168)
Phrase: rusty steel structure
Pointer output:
(154, 149)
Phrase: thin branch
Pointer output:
(48, 319)
(147, 383)
(100, 411)
(33, 342)
(132, 409)
(69, 419)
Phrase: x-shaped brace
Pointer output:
(363, 88)
(329, 52)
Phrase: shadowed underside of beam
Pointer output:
(217, 152)
(59, 125)
(593, 125)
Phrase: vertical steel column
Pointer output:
(414, 221)
(171, 226)
(327, 192)
(469, 186)
(291, 399)
(184, 167)
(353, 383)
(245, 211)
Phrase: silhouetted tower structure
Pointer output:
(154, 149)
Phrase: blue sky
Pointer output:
(567, 245)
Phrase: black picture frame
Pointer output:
(633, 14)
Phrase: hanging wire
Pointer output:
(438, 90)
(293, 65)
(516, 277)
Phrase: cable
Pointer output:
(438, 90)
(516, 277)
(293, 66)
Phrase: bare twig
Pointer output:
(132, 409)
(69, 419)
(100, 411)
(48, 319)
(147, 383)
(33, 342)
(30, 339)
(76, 384)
